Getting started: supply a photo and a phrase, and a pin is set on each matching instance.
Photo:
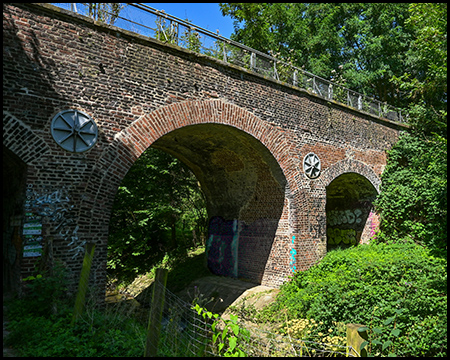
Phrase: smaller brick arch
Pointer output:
(350, 166)
(21, 140)
(351, 186)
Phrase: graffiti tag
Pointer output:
(293, 252)
(339, 217)
(55, 206)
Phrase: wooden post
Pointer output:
(84, 279)
(355, 338)
(156, 309)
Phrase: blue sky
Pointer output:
(205, 15)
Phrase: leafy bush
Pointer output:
(55, 336)
(413, 201)
(41, 323)
(42, 294)
(399, 287)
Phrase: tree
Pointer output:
(362, 43)
(413, 200)
(159, 207)
(425, 82)
(105, 12)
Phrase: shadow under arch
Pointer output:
(244, 188)
(349, 209)
(240, 160)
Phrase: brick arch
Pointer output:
(342, 230)
(131, 142)
(350, 166)
(150, 127)
(21, 140)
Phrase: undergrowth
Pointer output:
(398, 291)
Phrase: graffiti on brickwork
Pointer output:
(317, 229)
(292, 260)
(341, 236)
(55, 207)
(373, 224)
(222, 246)
(339, 217)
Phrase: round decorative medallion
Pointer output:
(74, 130)
(311, 165)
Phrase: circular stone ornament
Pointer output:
(74, 131)
(311, 165)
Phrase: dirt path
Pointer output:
(216, 292)
(227, 291)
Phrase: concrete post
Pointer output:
(355, 338)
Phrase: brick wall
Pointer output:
(141, 92)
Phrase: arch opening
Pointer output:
(158, 210)
(14, 179)
(349, 211)
(244, 188)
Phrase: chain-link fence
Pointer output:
(188, 329)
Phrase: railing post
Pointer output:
(295, 80)
(359, 102)
(177, 28)
(156, 309)
(275, 73)
(330, 91)
(252, 60)
(224, 51)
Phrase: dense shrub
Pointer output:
(413, 200)
(56, 336)
(398, 287)
(41, 323)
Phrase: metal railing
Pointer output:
(170, 29)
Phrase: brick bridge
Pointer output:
(253, 143)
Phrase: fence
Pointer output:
(188, 330)
(172, 30)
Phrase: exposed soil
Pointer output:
(217, 293)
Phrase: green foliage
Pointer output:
(397, 287)
(228, 336)
(105, 12)
(387, 330)
(158, 208)
(413, 198)
(44, 292)
(366, 39)
(191, 40)
(41, 323)
(425, 78)
(94, 335)
(167, 32)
